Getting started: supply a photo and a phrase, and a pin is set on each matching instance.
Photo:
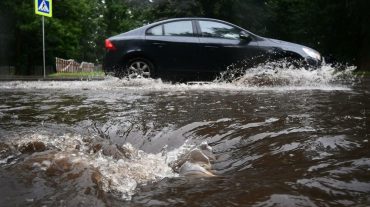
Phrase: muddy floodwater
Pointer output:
(281, 138)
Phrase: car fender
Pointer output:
(295, 50)
(137, 53)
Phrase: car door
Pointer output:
(222, 46)
(174, 46)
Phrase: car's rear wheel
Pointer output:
(139, 68)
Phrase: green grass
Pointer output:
(77, 74)
(365, 73)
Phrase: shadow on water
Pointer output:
(268, 138)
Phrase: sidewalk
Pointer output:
(41, 78)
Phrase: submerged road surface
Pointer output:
(286, 138)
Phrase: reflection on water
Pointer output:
(281, 138)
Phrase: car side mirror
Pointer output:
(245, 36)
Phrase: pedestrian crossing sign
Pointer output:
(44, 7)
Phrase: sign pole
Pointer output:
(43, 44)
(44, 8)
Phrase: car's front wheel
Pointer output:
(139, 68)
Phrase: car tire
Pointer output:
(139, 68)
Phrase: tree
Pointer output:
(74, 32)
(336, 28)
(77, 30)
(79, 27)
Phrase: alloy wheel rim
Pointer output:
(139, 69)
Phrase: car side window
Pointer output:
(218, 30)
(156, 31)
(179, 28)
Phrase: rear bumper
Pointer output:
(111, 62)
(108, 64)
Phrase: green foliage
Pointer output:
(79, 27)
(76, 31)
(336, 28)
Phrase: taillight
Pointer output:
(109, 45)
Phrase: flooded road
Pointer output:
(287, 138)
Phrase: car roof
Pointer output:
(186, 18)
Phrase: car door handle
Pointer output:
(211, 46)
(232, 46)
(159, 44)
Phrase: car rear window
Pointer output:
(179, 28)
(155, 31)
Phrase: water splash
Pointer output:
(269, 76)
(95, 163)
(280, 74)
(113, 169)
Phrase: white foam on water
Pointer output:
(121, 177)
(255, 79)
(281, 77)
(118, 176)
